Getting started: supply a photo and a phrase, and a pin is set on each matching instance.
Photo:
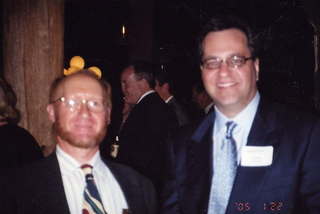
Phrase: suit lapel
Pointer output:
(51, 197)
(262, 132)
(249, 180)
(131, 191)
(199, 168)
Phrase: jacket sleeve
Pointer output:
(310, 175)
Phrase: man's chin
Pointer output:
(85, 142)
(81, 140)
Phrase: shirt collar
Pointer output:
(68, 163)
(144, 95)
(168, 100)
(243, 119)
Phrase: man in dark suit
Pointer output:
(201, 98)
(75, 179)
(142, 136)
(267, 162)
(164, 89)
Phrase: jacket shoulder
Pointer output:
(123, 171)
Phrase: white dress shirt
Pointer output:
(244, 122)
(74, 183)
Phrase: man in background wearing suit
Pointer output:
(142, 136)
(75, 179)
(164, 89)
(201, 98)
(248, 155)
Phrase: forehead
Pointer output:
(81, 84)
(230, 41)
(127, 73)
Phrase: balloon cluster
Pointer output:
(77, 63)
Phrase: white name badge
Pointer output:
(253, 156)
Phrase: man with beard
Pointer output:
(74, 179)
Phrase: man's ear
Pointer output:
(201, 67)
(167, 86)
(51, 113)
(108, 116)
(143, 84)
(257, 67)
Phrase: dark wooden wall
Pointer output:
(33, 57)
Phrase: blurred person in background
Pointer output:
(143, 134)
(18, 146)
(164, 87)
(201, 98)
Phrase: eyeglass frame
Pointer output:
(78, 103)
(227, 61)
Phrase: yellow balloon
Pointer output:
(77, 61)
(96, 70)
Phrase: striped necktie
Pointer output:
(92, 202)
(224, 172)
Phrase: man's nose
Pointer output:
(84, 109)
(224, 69)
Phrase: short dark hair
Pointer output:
(225, 22)
(144, 70)
(104, 85)
(163, 77)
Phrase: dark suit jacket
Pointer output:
(142, 137)
(290, 185)
(18, 147)
(38, 189)
(181, 115)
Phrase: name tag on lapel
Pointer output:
(255, 156)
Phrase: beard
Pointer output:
(76, 141)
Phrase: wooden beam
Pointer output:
(33, 57)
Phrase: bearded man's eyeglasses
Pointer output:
(74, 104)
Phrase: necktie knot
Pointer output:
(87, 170)
(230, 127)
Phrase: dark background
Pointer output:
(93, 30)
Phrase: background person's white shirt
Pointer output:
(145, 94)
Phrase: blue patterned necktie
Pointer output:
(224, 172)
(92, 202)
